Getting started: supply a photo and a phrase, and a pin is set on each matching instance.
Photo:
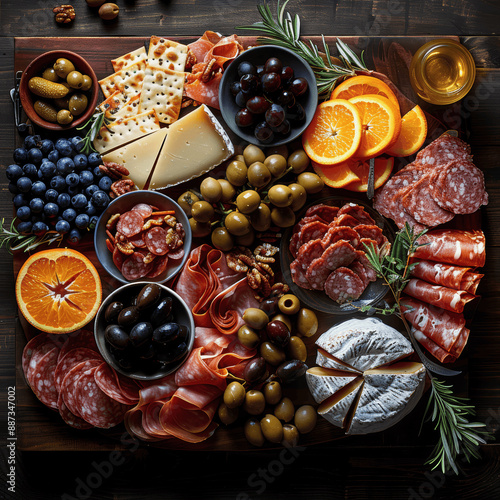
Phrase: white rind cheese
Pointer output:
(336, 408)
(326, 360)
(323, 383)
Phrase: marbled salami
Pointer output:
(336, 233)
(344, 284)
(130, 223)
(443, 150)
(156, 240)
(358, 212)
(134, 267)
(326, 212)
(42, 379)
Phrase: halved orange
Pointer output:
(362, 85)
(334, 133)
(58, 290)
(412, 135)
(336, 176)
(381, 124)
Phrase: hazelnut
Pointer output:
(108, 11)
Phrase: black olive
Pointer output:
(148, 296)
(146, 351)
(167, 333)
(141, 333)
(128, 316)
(183, 333)
(116, 336)
(174, 354)
(112, 312)
(126, 364)
(161, 312)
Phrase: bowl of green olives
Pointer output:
(59, 90)
(144, 330)
(268, 95)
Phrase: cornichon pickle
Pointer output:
(46, 88)
(45, 111)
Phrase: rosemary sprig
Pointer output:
(284, 31)
(13, 240)
(456, 434)
(96, 122)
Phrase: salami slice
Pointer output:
(294, 244)
(443, 150)
(134, 267)
(336, 233)
(431, 346)
(358, 212)
(360, 270)
(159, 266)
(367, 242)
(345, 220)
(326, 212)
(36, 360)
(312, 231)
(298, 275)
(138, 241)
(307, 220)
(42, 381)
(363, 260)
(70, 418)
(156, 240)
(372, 232)
(176, 254)
(80, 338)
(69, 360)
(317, 273)
(32, 346)
(453, 246)
(343, 284)
(144, 209)
(107, 380)
(130, 223)
(383, 201)
(118, 258)
(309, 251)
(439, 296)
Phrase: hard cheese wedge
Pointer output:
(336, 408)
(326, 360)
(323, 382)
(139, 157)
(195, 144)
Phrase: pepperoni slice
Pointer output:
(358, 212)
(336, 233)
(144, 209)
(156, 240)
(130, 223)
(134, 267)
(312, 231)
(118, 258)
(325, 212)
(160, 264)
(343, 284)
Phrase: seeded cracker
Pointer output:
(167, 54)
(128, 81)
(127, 60)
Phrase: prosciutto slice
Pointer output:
(431, 346)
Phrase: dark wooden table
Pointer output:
(387, 465)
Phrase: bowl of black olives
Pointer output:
(268, 95)
(144, 330)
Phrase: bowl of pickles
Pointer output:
(59, 90)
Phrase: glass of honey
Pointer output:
(442, 71)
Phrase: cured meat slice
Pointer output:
(138, 241)
(176, 254)
(358, 212)
(309, 251)
(134, 267)
(367, 242)
(42, 379)
(307, 220)
(336, 233)
(470, 282)
(204, 92)
(363, 260)
(421, 205)
(156, 240)
(439, 296)
(383, 200)
(70, 418)
(345, 220)
(80, 338)
(294, 244)
(343, 284)
(144, 209)
(312, 231)
(326, 212)
(71, 359)
(106, 379)
(453, 246)
(443, 150)
(460, 188)
(33, 345)
(298, 275)
(37, 360)
(160, 264)
(431, 346)
(118, 258)
(371, 231)
(130, 223)
(360, 270)
(443, 327)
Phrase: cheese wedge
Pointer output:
(195, 144)
(139, 156)
(336, 408)
(323, 382)
(325, 359)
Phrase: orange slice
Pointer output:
(412, 135)
(58, 290)
(381, 124)
(336, 176)
(362, 85)
(334, 133)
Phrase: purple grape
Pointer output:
(270, 82)
(263, 133)
(275, 115)
(245, 68)
(241, 100)
(298, 86)
(235, 88)
(273, 65)
(243, 118)
(249, 83)
(286, 98)
(258, 105)
(287, 75)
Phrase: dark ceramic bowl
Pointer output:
(258, 56)
(124, 294)
(319, 300)
(36, 68)
(123, 204)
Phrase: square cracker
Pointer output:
(128, 59)
(112, 104)
(162, 91)
(167, 54)
(128, 80)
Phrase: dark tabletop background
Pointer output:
(383, 468)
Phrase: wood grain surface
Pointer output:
(382, 466)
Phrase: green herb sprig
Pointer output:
(284, 31)
(95, 122)
(14, 240)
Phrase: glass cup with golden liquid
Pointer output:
(442, 71)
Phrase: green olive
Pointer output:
(255, 318)
(78, 104)
(290, 435)
(299, 195)
(239, 158)
(62, 102)
(246, 240)
(312, 183)
(50, 74)
(248, 337)
(285, 410)
(305, 419)
(186, 201)
(272, 392)
(307, 322)
(254, 403)
(276, 164)
(64, 117)
(284, 318)
(253, 432)
(234, 395)
(296, 349)
(237, 223)
(272, 354)
(289, 304)
(258, 174)
(63, 67)
(299, 161)
(278, 150)
(211, 190)
(280, 195)
(202, 211)
(252, 154)
(227, 415)
(75, 79)
(272, 428)
(87, 83)
(199, 229)
(283, 217)
(236, 173)
(228, 190)
(261, 218)
(248, 201)
(221, 239)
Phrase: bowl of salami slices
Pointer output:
(323, 257)
(143, 235)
